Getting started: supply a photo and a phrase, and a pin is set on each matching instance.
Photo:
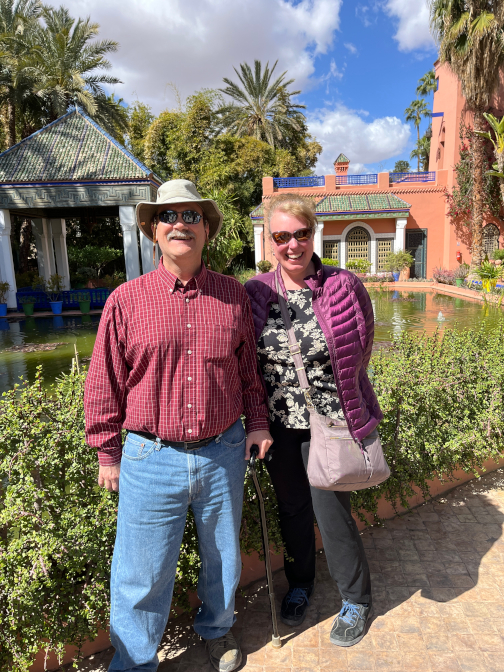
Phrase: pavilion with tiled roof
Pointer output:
(71, 168)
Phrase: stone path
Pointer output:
(438, 586)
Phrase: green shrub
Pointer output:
(4, 290)
(358, 265)
(57, 527)
(25, 279)
(397, 261)
(54, 287)
(330, 262)
(443, 406)
(442, 399)
(498, 254)
(264, 266)
(27, 299)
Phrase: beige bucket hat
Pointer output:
(178, 191)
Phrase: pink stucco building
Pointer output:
(367, 216)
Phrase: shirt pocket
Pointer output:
(221, 342)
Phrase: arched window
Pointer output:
(490, 239)
(358, 246)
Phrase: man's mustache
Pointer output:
(185, 234)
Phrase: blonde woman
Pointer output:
(333, 321)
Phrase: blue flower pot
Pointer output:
(56, 307)
(3, 310)
(396, 276)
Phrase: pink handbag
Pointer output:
(336, 461)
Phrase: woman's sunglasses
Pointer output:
(284, 237)
(188, 216)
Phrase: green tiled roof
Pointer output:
(361, 203)
(367, 204)
(342, 159)
(257, 213)
(72, 148)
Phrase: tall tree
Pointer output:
(497, 140)
(414, 113)
(140, 118)
(67, 67)
(262, 108)
(401, 166)
(422, 152)
(18, 18)
(426, 84)
(470, 34)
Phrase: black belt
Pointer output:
(188, 445)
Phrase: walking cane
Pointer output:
(276, 642)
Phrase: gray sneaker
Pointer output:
(224, 652)
(350, 625)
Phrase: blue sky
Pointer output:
(356, 62)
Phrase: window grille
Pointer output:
(358, 244)
(490, 239)
(384, 249)
(331, 249)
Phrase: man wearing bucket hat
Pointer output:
(175, 365)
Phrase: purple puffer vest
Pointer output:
(345, 314)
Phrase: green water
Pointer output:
(394, 311)
(79, 330)
(420, 311)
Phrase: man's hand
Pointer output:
(108, 477)
(262, 438)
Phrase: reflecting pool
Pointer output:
(21, 342)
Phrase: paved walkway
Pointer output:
(438, 585)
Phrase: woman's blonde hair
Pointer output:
(292, 204)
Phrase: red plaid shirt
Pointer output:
(176, 361)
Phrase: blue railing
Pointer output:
(357, 179)
(98, 297)
(290, 182)
(413, 177)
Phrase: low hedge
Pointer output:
(442, 398)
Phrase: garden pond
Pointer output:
(50, 341)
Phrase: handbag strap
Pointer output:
(294, 346)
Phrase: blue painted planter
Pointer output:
(56, 307)
(3, 309)
(396, 276)
(98, 297)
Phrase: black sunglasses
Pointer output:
(188, 216)
(284, 237)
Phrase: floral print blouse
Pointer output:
(287, 405)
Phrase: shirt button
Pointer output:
(189, 378)
(189, 431)
(189, 405)
(189, 352)
(187, 300)
(188, 326)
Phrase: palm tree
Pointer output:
(414, 113)
(426, 84)
(262, 109)
(18, 19)
(470, 34)
(497, 140)
(422, 152)
(66, 68)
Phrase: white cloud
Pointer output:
(367, 13)
(195, 43)
(351, 48)
(364, 142)
(412, 24)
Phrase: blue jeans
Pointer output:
(157, 485)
